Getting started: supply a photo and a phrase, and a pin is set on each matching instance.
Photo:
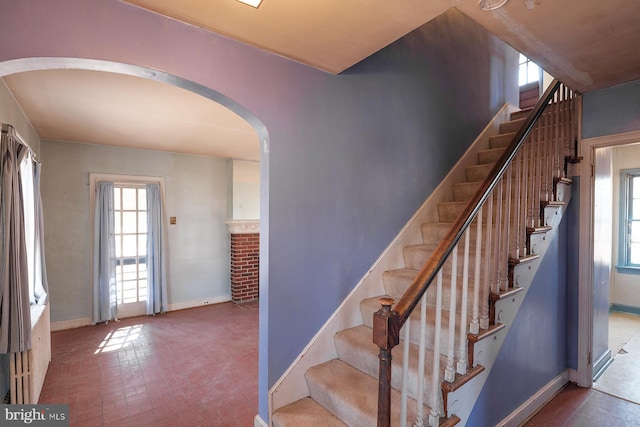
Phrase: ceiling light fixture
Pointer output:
(254, 3)
(491, 4)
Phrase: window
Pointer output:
(629, 248)
(529, 71)
(130, 208)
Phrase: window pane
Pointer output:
(142, 199)
(142, 222)
(522, 75)
(142, 290)
(129, 245)
(142, 244)
(117, 222)
(635, 231)
(118, 246)
(116, 197)
(532, 73)
(635, 209)
(129, 222)
(634, 183)
(634, 255)
(129, 199)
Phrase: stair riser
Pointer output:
(449, 212)
(490, 156)
(415, 257)
(464, 193)
(501, 141)
(511, 126)
(396, 286)
(433, 233)
(370, 306)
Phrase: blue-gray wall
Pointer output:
(350, 157)
(535, 348)
(370, 146)
(197, 193)
(611, 111)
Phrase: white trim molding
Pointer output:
(537, 401)
(244, 226)
(198, 303)
(86, 321)
(70, 324)
(258, 422)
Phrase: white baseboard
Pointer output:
(198, 303)
(70, 324)
(86, 321)
(535, 402)
(258, 422)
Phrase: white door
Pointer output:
(131, 248)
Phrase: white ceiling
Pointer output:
(588, 44)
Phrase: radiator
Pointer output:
(27, 369)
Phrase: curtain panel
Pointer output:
(105, 304)
(41, 289)
(156, 266)
(15, 315)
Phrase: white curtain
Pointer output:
(104, 261)
(156, 267)
(15, 315)
(41, 288)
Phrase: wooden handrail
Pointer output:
(387, 323)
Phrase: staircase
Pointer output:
(437, 347)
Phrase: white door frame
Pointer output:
(585, 251)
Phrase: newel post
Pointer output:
(386, 335)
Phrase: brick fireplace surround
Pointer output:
(245, 260)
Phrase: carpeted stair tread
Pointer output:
(355, 346)
(368, 306)
(491, 155)
(351, 395)
(305, 413)
(476, 173)
(512, 126)
(501, 140)
(464, 191)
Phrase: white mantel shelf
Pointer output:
(244, 226)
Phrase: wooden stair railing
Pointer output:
(512, 196)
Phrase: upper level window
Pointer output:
(529, 71)
(629, 250)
